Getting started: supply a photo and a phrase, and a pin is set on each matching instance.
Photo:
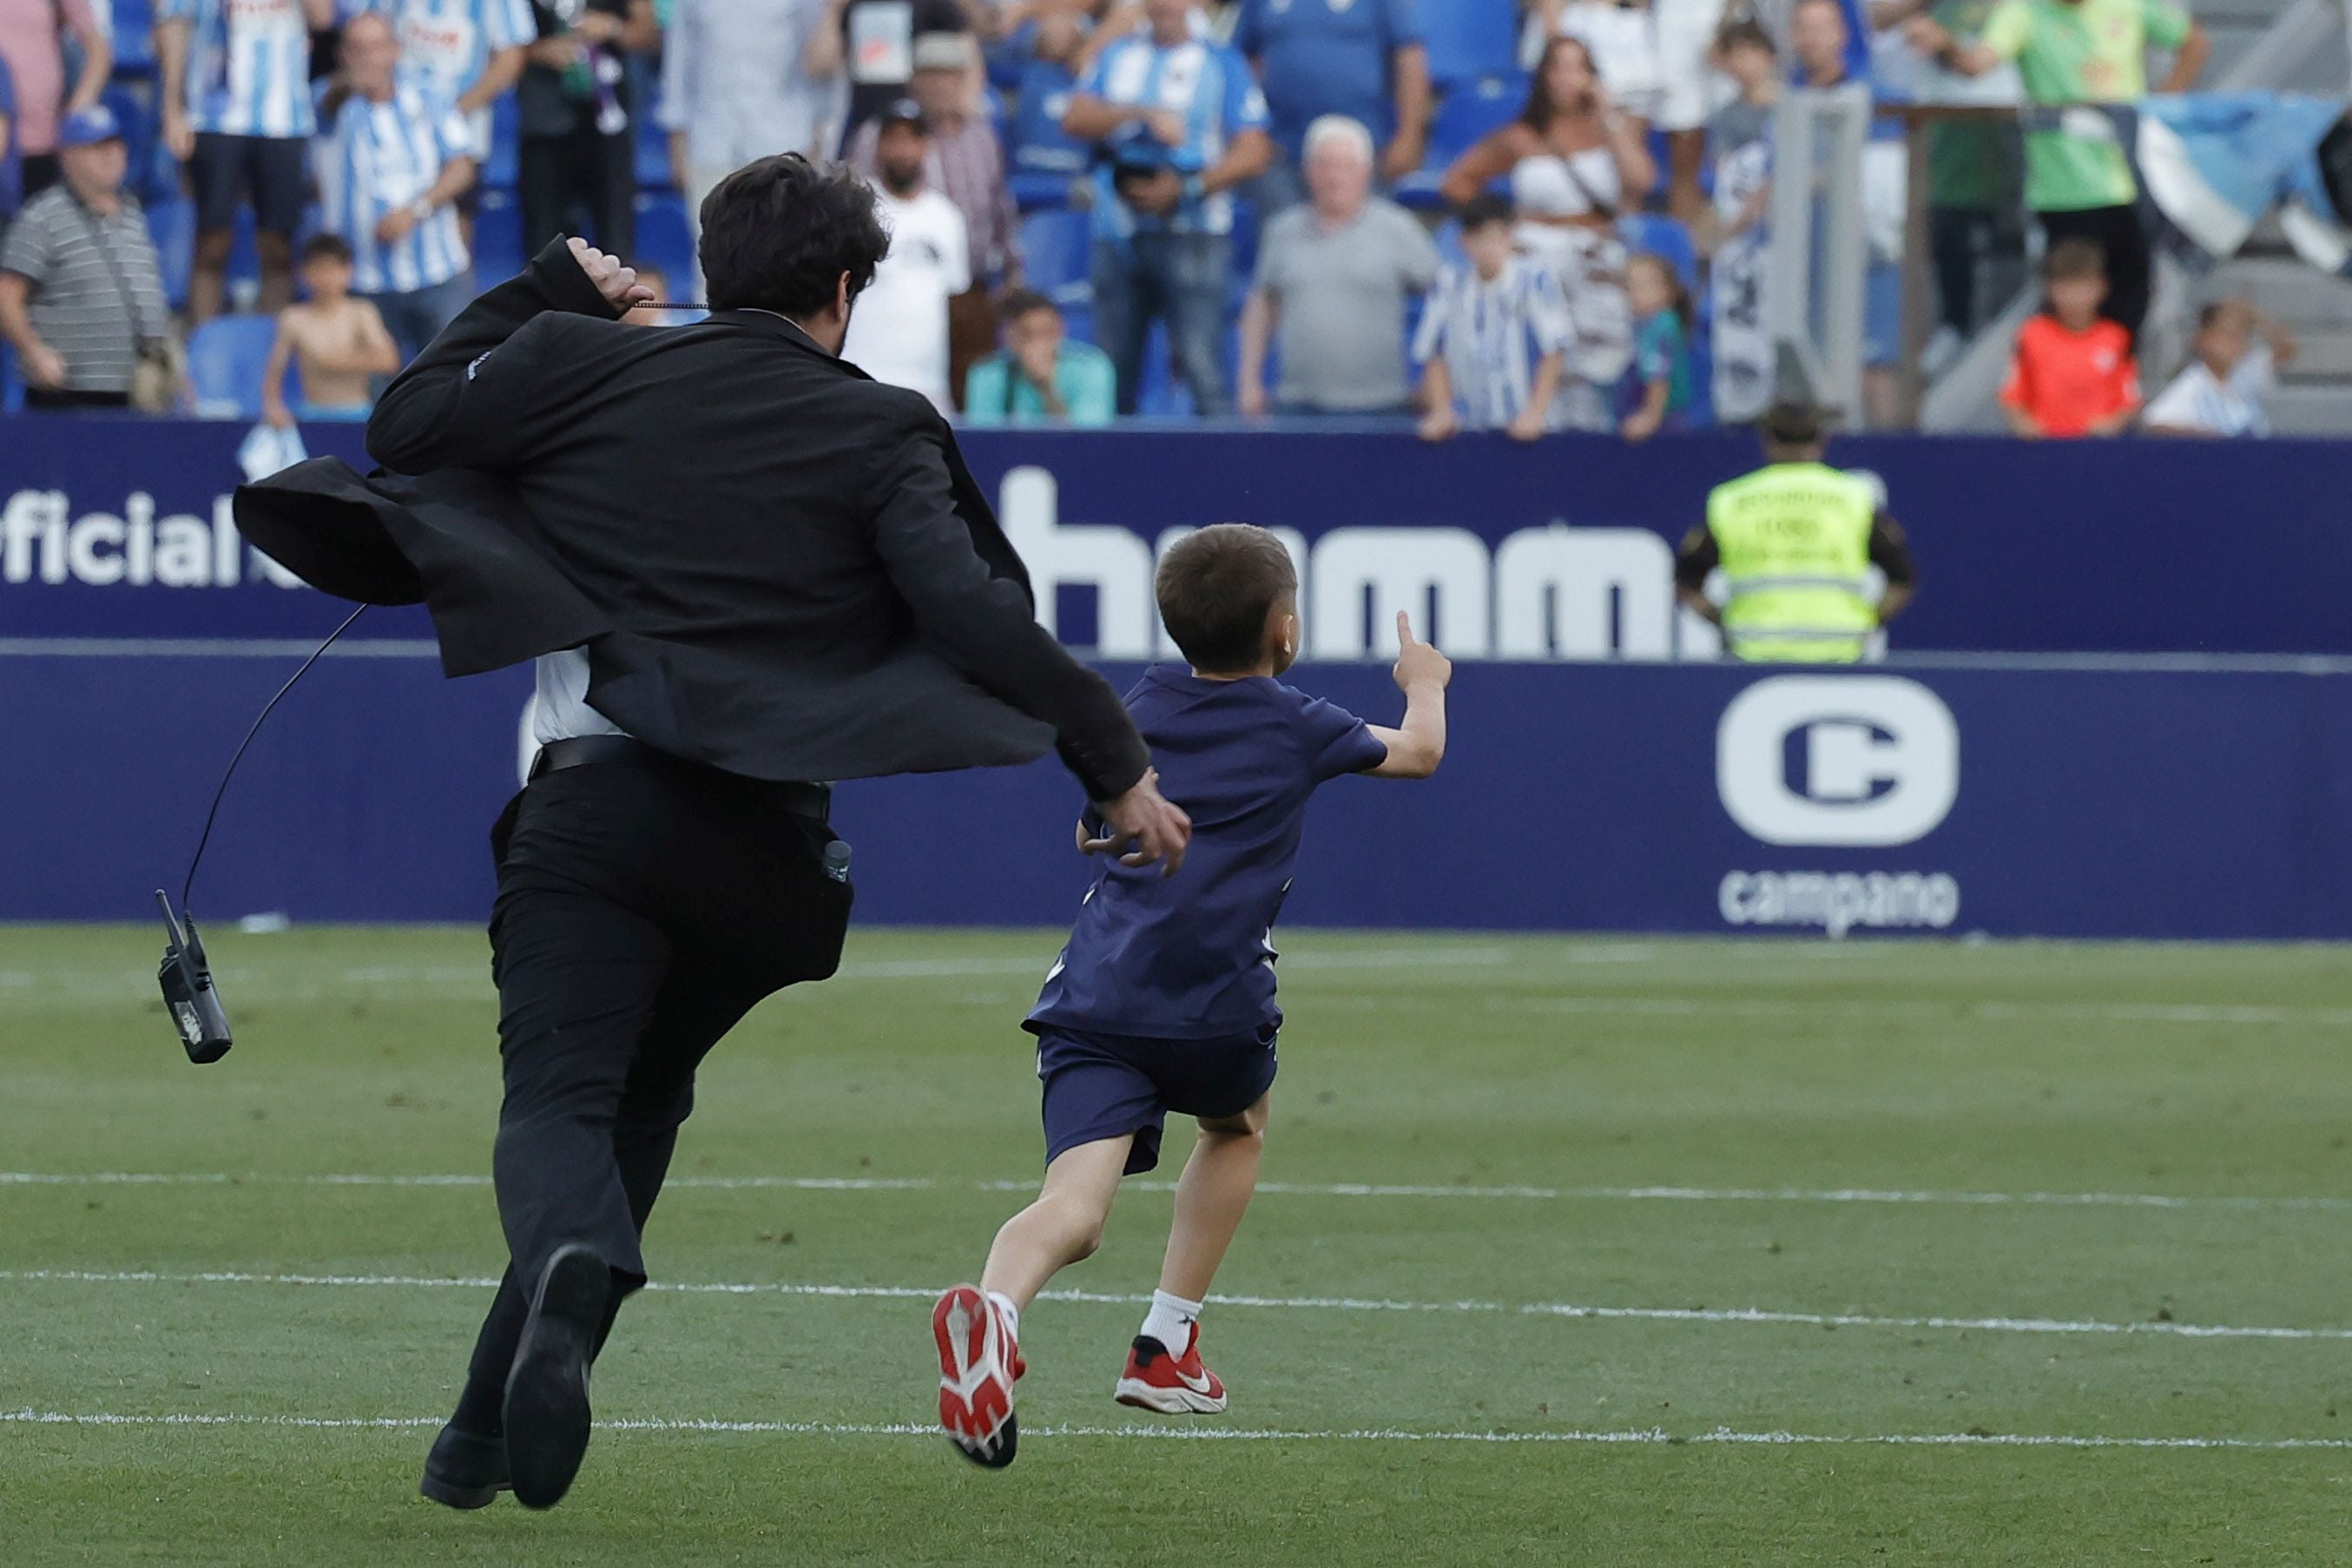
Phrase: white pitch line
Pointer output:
(1743, 1315)
(1947, 1012)
(1286, 1189)
(1653, 1437)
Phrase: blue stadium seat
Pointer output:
(11, 385)
(1664, 237)
(1038, 190)
(225, 358)
(1056, 247)
(506, 134)
(665, 239)
(498, 240)
(139, 138)
(1470, 38)
(1470, 110)
(134, 41)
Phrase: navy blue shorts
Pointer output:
(272, 171)
(1106, 1086)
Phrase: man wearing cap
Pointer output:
(965, 164)
(899, 334)
(81, 287)
(1795, 542)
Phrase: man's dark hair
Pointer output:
(2074, 259)
(778, 234)
(1793, 424)
(1216, 589)
(327, 247)
(1745, 32)
(1485, 208)
(1020, 302)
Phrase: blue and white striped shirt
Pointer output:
(1212, 86)
(1492, 335)
(378, 158)
(248, 66)
(2200, 401)
(446, 45)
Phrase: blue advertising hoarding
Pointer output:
(1920, 798)
(1556, 549)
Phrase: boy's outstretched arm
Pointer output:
(1417, 745)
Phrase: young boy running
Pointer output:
(1163, 999)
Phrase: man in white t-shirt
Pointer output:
(898, 332)
(2220, 390)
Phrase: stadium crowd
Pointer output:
(1484, 215)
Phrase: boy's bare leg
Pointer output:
(1063, 1226)
(1211, 1198)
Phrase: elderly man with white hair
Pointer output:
(1333, 277)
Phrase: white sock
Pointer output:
(1171, 1321)
(1012, 1313)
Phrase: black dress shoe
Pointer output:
(547, 1417)
(465, 1469)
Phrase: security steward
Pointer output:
(1794, 540)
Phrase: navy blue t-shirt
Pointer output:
(1191, 957)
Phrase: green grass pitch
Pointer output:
(1575, 1251)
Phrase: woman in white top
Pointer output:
(1574, 162)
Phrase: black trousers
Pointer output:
(586, 173)
(645, 905)
(2118, 232)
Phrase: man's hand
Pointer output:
(1251, 398)
(1441, 423)
(1038, 360)
(1528, 424)
(617, 283)
(1167, 125)
(44, 368)
(178, 134)
(1403, 157)
(395, 226)
(276, 415)
(1143, 827)
(1418, 663)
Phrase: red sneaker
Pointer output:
(1172, 1385)
(979, 1364)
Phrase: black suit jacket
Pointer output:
(778, 565)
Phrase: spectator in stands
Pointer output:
(2220, 393)
(392, 166)
(1362, 60)
(237, 109)
(1043, 154)
(898, 333)
(1574, 161)
(82, 289)
(966, 165)
(337, 341)
(1623, 41)
(578, 150)
(871, 43)
(1336, 276)
(1179, 122)
(1041, 377)
(467, 53)
(1493, 335)
(735, 89)
(1661, 377)
(1739, 143)
(33, 73)
(2071, 52)
(1824, 62)
(2073, 373)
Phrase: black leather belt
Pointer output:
(810, 800)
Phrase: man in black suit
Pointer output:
(744, 568)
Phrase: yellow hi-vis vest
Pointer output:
(1794, 542)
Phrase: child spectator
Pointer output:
(1164, 998)
(337, 341)
(1494, 336)
(1661, 376)
(1739, 142)
(1041, 377)
(2220, 390)
(2073, 373)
